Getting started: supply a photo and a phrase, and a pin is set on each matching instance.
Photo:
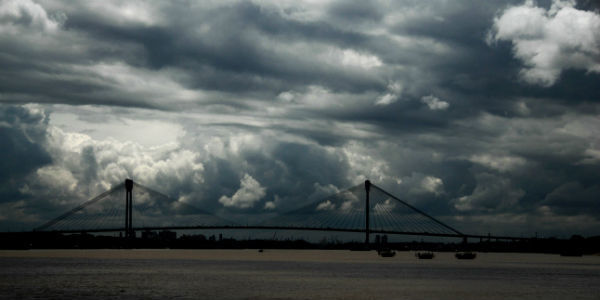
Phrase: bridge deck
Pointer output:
(296, 228)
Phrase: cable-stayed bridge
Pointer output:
(365, 208)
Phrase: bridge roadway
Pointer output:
(494, 237)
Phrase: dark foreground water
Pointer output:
(281, 274)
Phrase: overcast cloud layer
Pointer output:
(484, 114)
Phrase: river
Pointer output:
(292, 274)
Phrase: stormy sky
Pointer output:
(485, 114)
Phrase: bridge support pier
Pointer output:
(129, 233)
(367, 205)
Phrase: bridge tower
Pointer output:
(129, 233)
(367, 189)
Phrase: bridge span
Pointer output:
(364, 208)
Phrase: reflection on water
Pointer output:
(292, 274)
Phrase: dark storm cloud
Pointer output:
(572, 197)
(235, 48)
(229, 54)
(278, 171)
(22, 135)
(444, 103)
(350, 13)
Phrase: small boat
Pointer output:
(465, 255)
(386, 252)
(260, 250)
(425, 255)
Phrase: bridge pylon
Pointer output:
(367, 205)
(129, 233)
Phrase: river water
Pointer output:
(291, 274)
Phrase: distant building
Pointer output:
(167, 235)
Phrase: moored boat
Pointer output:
(386, 252)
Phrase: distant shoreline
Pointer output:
(576, 245)
(306, 255)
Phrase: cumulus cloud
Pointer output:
(498, 162)
(394, 92)
(270, 205)
(249, 193)
(592, 157)
(549, 41)
(347, 206)
(350, 202)
(83, 167)
(68, 167)
(384, 207)
(432, 184)
(492, 192)
(327, 205)
(28, 14)
(434, 103)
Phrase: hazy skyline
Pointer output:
(485, 114)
